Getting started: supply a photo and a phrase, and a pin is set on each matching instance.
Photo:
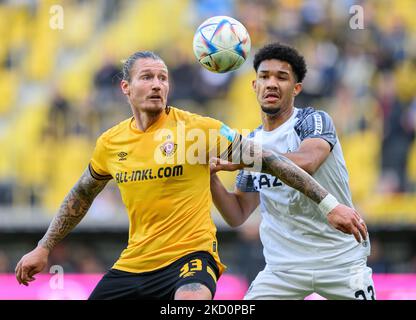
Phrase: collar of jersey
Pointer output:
(283, 125)
(155, 126)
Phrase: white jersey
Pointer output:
(294, 233)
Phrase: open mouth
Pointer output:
(271, 97)
(155, 97)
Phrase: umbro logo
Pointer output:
(122, 155)
(188, 274)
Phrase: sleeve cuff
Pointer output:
(98, 176)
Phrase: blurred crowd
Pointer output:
(59, 87)
(62, 85)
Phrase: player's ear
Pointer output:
(125, 87)
(297, 89)
(254, 84)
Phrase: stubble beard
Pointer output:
(151, 110)
(271, 111)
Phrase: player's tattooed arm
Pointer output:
(279, 166)
(292, 175)
(73, 209)
(339, 216)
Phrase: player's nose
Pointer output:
(156, 83)
(272, 83)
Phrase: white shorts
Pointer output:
(348, 282)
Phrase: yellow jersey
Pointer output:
(164, 180)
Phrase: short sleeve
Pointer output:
(316, 124)
(221, 139)
(98, 162)
(229, 144)
(245, 182)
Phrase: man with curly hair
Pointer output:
(172, 251)
(303, 252)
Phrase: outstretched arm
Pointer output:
(292, 175)
(248, 154)
(339, 216)
(72, 210)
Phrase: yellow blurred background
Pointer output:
(58, 86)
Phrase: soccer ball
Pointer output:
(221, 44)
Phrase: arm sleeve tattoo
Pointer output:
(73, 209)
(292, 175)
(278, 165)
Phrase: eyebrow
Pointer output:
(152, 70)
(279, 71)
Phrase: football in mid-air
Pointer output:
(221, 44)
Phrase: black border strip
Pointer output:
(98, 176)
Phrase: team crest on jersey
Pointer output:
(168, 148)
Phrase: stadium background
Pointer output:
(59, 91)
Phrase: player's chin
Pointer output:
(155, 105)
(270, 108)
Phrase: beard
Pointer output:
(271, 111)
(154, 110)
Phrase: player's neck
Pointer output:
(144, 120)
(273, 121)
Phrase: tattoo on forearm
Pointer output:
(278, 165)
(73, 209)
(292, 175)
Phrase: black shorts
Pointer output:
(197, 267)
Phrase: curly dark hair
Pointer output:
(282, 52)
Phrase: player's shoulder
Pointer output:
(311, 117)
(182, 114)
(191, 118)
(313, 123)
(253, 133)
(115, 130)
(308, 113)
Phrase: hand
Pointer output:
(30, 264)
(348, 221)
(216, 164)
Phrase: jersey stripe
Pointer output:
(98, 176)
